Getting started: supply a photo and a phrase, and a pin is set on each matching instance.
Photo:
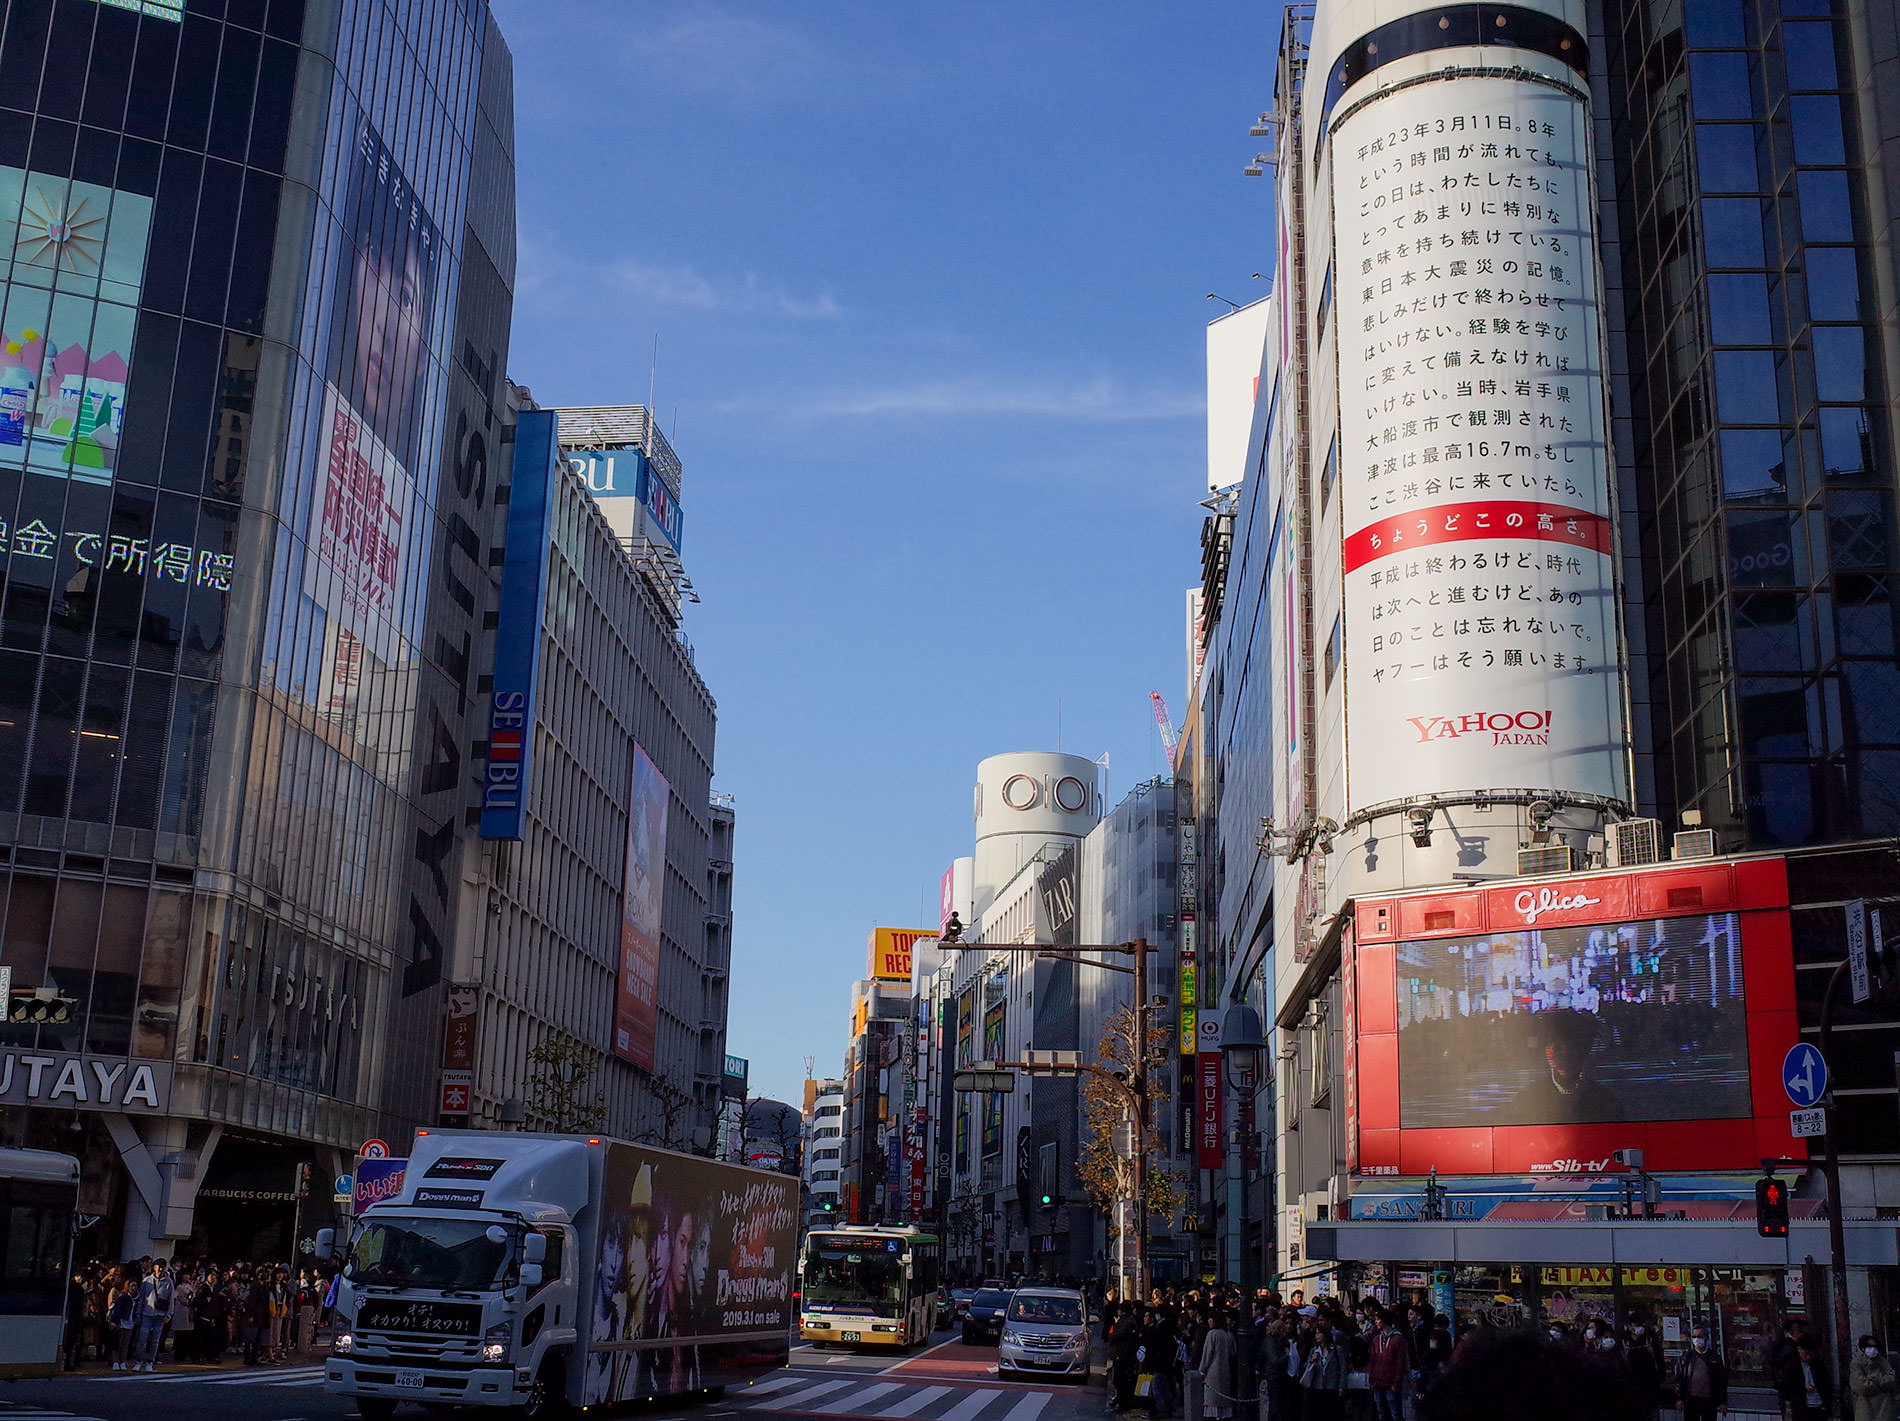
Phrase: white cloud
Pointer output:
(709, 51)
(547, 273)
(1098, 400)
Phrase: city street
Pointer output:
(946, 1382)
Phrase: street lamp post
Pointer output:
(1242, 1044)
(1137, 1083)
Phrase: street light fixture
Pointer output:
(1242, 1043)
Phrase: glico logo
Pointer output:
(1528, 727)
(1532, 906)
(1067, 794)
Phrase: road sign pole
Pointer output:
(1831, 1170)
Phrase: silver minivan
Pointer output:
(1045, 1331)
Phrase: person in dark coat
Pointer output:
(1701, 1379)
(1124, 1337)
(1803, 1384)
(1163, 1344)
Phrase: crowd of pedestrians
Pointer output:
(140, 1314)
(1340, 1360)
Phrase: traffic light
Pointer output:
(1771, 1207)
(830, 1205)
(41, 1007)
(1048, 1201)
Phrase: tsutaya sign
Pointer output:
(59, 1080)
(1481, 636)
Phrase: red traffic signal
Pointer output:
(1771, 1207)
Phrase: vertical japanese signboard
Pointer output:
(1481, 631)
(524, 584)
(637, 989)
(458, 1053)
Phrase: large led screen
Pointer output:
(72, 259)
(1574, 1025)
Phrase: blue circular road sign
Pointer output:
(1804, 1075)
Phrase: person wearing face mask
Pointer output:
(1872, 1381)
(1602, 1352)
(1701, 1379)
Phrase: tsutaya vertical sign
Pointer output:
(1481, 635)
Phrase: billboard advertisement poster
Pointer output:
(694, 1256)
(733, 1081)
(376, 1180)
(637, 991)
(1538, 1029)
(72, 261)
(1481, 642)
(890, 951)
(368, 532)
(627, 473)
(1190, 989)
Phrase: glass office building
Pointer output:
(1748, 191)
(256, 281)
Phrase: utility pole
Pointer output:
(1136, 1084)
(1831, 1170)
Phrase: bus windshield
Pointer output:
(862, 1277)
(430, 1253)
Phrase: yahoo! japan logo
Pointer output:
(1526, 727)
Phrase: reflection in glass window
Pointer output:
(1833, 283)
(1720, 83)
(1732, 232)
(1840, 363)
(1753, 463)
(1873, 701)
(1725, 157)
(1738, 310)
(1810, 54)
(1714, 22)
(1745, 385)
(1826, 213)
(1765, 550)
(1846, 442)
(1818, 135)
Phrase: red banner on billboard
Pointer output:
(1207, 1128)
(637, 988)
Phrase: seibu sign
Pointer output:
(1476, 517)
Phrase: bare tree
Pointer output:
(559, 1086)
(1106, 1169)
(679, 1119)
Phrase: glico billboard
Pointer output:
(1538, 1027)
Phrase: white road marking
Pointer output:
(795, 1401)
(863, 1396)
(1029, 1408)
(916, 1402)
(967, 1409)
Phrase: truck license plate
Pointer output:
(853, 1337)
(411, 1379)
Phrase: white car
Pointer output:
(1045, 1332)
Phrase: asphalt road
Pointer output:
(944, 1382)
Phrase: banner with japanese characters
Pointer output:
(1482, 645)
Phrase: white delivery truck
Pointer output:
(540, 1273)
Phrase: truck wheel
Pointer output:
(375, 1408)
(547, 1397)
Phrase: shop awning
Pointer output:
(1630, 1242)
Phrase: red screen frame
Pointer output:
(1755, 890)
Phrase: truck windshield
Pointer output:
(429, 1253)
(855, 1278)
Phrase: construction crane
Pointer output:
(1169, 737)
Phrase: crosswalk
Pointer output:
(867, 1399)
(262, 1376)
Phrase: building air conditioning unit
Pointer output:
(1633, 842)
(1695, 844)
(1546, 858)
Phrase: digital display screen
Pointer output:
(72, 259)
(1574, 1025)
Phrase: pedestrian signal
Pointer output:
(1771, 1207)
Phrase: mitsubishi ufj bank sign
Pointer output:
(1481, 635)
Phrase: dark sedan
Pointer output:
(984, 1321)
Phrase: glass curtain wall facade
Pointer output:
(1759, 418)
(256, 283)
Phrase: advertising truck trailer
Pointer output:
(541, 1273)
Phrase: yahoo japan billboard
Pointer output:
(1537, 1028)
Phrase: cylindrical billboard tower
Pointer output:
(1024, 802)
(1482, 640)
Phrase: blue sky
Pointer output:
(929, 286)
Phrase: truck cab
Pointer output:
(464, 1289)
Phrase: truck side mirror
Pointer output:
(534, 1248)
(531, 1275)
(326, 1245)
